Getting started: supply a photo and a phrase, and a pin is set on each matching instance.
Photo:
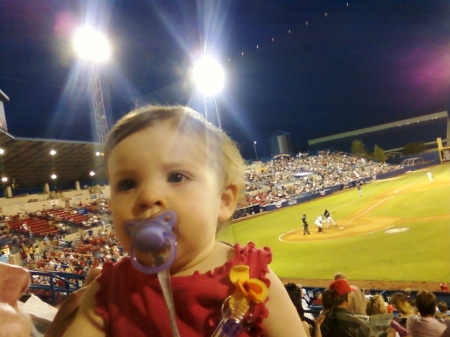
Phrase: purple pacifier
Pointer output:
(153, 236)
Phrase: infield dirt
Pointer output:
(352, 227)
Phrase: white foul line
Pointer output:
(370, 208)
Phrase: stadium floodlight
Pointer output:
(93, 46)
(92, 173)
(2, 151)
(52, 152)
(53, 176)
(209, 78)
(256, 153)
(97, 153)
(4, 179)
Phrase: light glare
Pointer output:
(91, 45)
(209, 76)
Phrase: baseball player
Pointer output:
(430, 176)
(305, 225)
(358, 186)
(318, 223)
(328, 217)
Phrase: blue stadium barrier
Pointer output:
(72, 282)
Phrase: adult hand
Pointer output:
(391, 332)
(14, 282)
(69, 308)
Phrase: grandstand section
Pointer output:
(393, 135)
(28, 165)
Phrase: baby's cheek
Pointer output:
(124, 241)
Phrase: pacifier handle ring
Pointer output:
(154, 270)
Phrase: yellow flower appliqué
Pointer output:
(254, 290)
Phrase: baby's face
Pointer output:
(159, 168)
(13, 283)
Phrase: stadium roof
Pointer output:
(27, 162)
(381, 127)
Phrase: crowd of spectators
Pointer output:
(348, 311)
(285, 178)
(74, 257)
(27, 227)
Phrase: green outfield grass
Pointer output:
(421, 253)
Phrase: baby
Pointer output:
(170, 158)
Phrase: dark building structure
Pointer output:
(280, 143)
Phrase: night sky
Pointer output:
(356, 66)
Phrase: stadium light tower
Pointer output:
(93, 46)
(256, 153)
(210, 79)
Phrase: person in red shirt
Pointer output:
(318, 299)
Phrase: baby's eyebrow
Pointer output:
(122, 172)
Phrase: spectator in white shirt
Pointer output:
(426, 324)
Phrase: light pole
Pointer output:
(256, 153)
(93, 46)
(210, 79)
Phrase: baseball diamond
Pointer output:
(363, 249)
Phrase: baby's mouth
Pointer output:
(154, 245)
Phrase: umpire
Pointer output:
(305, 225)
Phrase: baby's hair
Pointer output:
(225, 154)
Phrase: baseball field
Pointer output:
(397, 234)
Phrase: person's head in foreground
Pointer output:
(358, 302)
(426, 303)
(14, 282)
(340, 321)
(443, 307)
(170, 157)
(339, 291)
(376, 305)
(339, 276)
(400, 302)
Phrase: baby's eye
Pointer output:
(176, 177)
(126, 185)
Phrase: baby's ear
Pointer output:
(228, 202)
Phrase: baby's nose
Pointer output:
(150, 201)
(14, 282)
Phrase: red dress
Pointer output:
(131, 303)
